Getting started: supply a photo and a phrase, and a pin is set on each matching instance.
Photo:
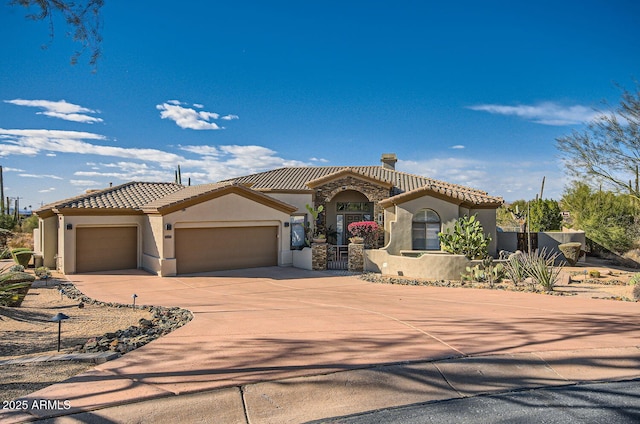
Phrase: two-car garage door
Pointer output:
(221, 248)
(106, 248)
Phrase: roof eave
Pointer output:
(347, 172)
(240, 190)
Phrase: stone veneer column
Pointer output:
(356, 257)
(319, 256)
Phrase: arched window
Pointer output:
(425, 229)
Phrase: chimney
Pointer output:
(389, 160)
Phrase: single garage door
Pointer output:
(215, 249)
(106, 248)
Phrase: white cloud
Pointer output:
(84, 183)
(51, 155)
(60, 109)
(211, 163)
(458, 147)
(202, 150)
(547, 113)
(321, 160)
(9, 169)
(511, 180)
(53, 177)
(47, 190)
(189, 118)
(31, 142)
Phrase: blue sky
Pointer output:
(468, 92)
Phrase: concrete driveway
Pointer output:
(256, 326)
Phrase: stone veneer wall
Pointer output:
(374, 193)
(356, 257)
(319, 256)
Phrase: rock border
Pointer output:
(164, 320)
(389, 279)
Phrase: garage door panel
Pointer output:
(106, 248)
(215, 249)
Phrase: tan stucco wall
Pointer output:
(398, 220)
(487, 218)
(231, 210)
(433, 266)
(67, 238)
(299, 200)
(48, 246)
(152, 243)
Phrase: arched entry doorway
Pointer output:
(344, 208)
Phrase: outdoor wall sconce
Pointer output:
(168, 227)
(286, 224)
(59, 318)
(69, 227)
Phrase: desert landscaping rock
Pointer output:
(163, 321)
(29, 359)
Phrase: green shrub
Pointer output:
(571, 251)
(634, 280)
(594, 273)
(42, 272)
(22, 256)
(466, 239)
(14, 286)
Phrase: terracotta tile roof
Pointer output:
(131, 195)
(296, 178)
(185, 194)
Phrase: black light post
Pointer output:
(59, 318)
(134, 300)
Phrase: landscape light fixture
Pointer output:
(134, 300)
(59, 318)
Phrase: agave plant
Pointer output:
(14, 286)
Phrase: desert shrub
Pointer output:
(636, 292)
(42, 272)
(467, 238)
(608, 218)
(515, 268)
(594, 273)
(544, 215)
(540, 266)
(22, 255)
(29, 224)
(634, 280)
(571, 251)
(21, 240)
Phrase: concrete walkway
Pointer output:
(285, 345)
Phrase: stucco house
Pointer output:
(250, 221)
